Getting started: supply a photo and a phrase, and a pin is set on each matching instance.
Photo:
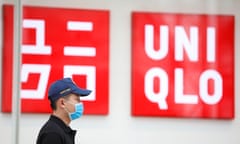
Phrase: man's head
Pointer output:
(65, 89)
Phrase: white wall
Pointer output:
(119, 126)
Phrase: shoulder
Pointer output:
(53, 125)
(51, 133)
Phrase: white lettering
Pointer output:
(185, 45)
(39, 48)
(43, 70)
(149, 42)
(180, 97)
(218, 85)
(182, 42)
(152, 96)
(211, 53)
(79, 50)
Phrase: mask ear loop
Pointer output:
(68, 112)
(66, 108)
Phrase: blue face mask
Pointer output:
(78, 111)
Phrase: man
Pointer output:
(64, 96)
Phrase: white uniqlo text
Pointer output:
(183, 44)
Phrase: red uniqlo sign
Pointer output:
(58, 43)
(182, 65)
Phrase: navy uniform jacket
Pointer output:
(55, 131)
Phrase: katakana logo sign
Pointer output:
(58, 43)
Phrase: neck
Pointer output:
(64, 117)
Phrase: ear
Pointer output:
(61, 103)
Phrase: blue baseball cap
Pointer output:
(65, 87)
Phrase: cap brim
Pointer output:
(81, 92)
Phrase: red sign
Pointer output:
(58, 43)
(182, 65)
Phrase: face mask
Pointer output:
(78, 111)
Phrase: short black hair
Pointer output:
(53, 105)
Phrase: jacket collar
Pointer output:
(59, 122)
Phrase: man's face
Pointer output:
(70, 102)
